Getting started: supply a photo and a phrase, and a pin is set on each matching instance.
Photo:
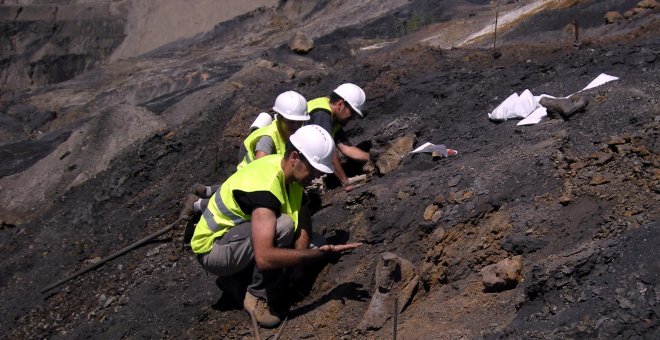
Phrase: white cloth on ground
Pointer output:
(527, 106)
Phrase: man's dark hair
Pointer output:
(290, 148)
(334, 97)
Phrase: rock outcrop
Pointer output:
(396, 283)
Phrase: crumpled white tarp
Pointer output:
(527, 105)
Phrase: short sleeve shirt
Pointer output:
(265, 144)
(323, 119)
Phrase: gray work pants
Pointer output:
(233, 253)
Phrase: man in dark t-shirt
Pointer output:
(332, 113)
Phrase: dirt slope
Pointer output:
(575, 199)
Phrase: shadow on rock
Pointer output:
(343, 292)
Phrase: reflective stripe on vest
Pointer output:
(208, 215)
(251, 141)
(323, 103)
(223, 212)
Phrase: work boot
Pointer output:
(189, 207)
(565, 107)
(199, 190)
(262, 312)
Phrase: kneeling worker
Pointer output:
(332, 113)
(291, 114)
(255, 220)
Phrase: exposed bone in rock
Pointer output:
(396, 279)
(392, 157)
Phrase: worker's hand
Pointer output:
(339, 247)
(354, 182)
(353, 186)
(346, 185)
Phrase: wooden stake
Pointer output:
(497, 12)
(113, 256)
(395, 313)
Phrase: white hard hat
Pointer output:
(352, 94)
(316, 145)
(292, 106)
(262, 120)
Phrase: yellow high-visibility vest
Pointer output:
(223, 212)
(251, 141)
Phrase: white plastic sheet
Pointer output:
(534, 117)
(527, 106)
(600, 80)
(430, 147)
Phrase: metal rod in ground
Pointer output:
(281, 330)
(255, 325)
(113, 256)
(319, 309)
(576, 42)
(497, 12)
(395, 313)
(313, 327)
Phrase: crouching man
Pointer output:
(254, 220)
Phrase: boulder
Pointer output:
(301, 43)
(438, 235)
(452, 182)
(566, 199)
(599, 178)
(612, 17)
(564, 107)
(503, 275)
(430, 211)
(647, 4)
